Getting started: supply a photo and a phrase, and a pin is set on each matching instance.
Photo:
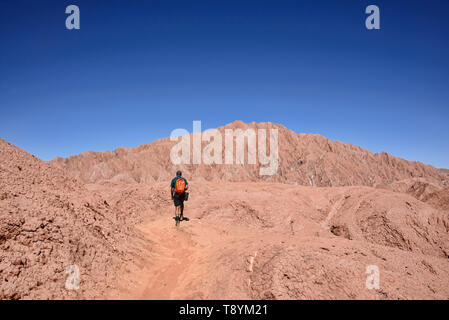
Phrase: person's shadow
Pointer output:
(183, 219)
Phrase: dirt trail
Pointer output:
(172, 257)
(174, 260)
(298, 243)
(191, 261)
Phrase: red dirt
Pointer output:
(49, 222)
(304, 159)
(278, 241)
(246, 239)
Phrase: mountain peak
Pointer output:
(304, 159)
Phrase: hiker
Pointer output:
(178, 188)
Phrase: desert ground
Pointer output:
(309, 232)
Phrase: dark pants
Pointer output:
(178, 199)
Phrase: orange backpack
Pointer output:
(180, 186)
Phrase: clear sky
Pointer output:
(136, 70)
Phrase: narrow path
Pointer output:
(201, 258)
(192, 261)
(173, 254)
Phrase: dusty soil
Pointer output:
(310, 232)
(277, 241)
(49, 222)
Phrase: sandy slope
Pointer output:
(277, 241)
(49, 222)
(250, 239)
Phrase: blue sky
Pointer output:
(136, 70)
